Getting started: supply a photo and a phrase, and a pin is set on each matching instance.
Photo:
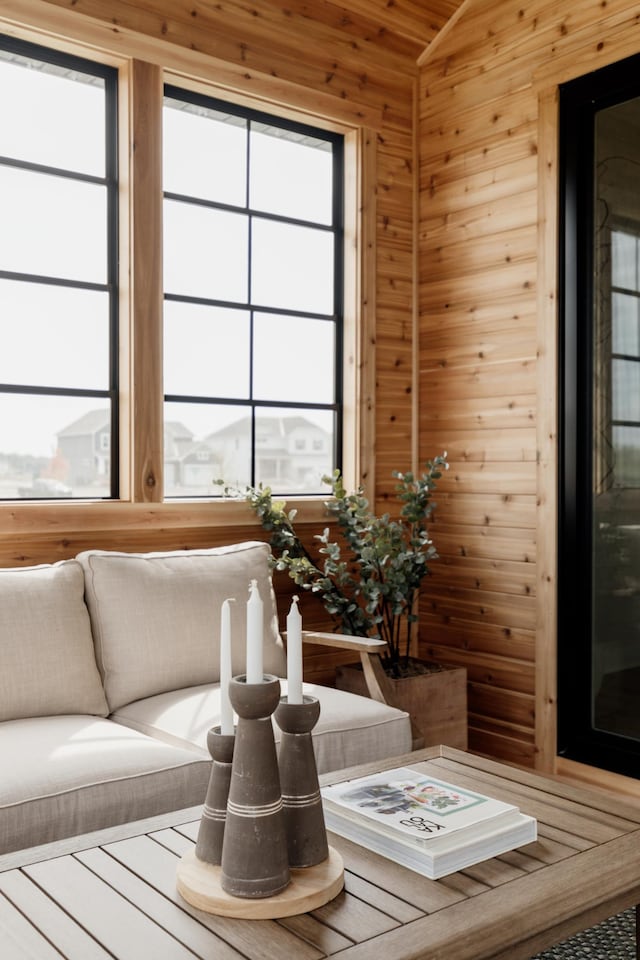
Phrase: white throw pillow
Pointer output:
(47, 658)
(156, 616)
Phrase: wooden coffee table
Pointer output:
(113, 893)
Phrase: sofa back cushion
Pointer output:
(47, 658)
(156, 616)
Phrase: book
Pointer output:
(426, 824)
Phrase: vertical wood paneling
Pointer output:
(146, 273)
(547, 436)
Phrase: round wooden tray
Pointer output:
(200, 885)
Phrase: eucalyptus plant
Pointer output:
(372, 590)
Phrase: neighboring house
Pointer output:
(197, 467)
(291, 452)
(85, 446)
(177, 442)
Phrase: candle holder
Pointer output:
(214, 813)
(255, 879)
(255, 861)
(304, 819)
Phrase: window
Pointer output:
(253, 297)
(58, 275)
(599, 522)
(624, 369)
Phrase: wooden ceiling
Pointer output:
(409, 25)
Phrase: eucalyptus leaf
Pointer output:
(373, 590)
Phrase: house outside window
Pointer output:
(253, 295)
(58, 274)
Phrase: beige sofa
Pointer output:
(109, 670)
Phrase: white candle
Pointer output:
(226, 710)
(254, 635)
(294, 653)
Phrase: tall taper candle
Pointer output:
(294, 653)
(226, 710)
(254, 635)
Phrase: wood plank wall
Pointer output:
(486, 126)
(487, 325)
(348, 67)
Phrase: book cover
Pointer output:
(408, 806)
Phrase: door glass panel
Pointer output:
(625, 324)
(616, 419)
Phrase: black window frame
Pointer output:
(336, 228)
(579, 102)
(109, 75)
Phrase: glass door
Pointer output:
(599, 535)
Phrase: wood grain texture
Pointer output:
(581, 868)
(146, 460)
(488, 328)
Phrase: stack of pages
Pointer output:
(427, 825)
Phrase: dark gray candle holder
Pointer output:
(255, 861)
(254, 879)
(214, 814)
(304, 820)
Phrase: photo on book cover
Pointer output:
(413, 803)
(411, 796)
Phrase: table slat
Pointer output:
(353, 918)
(115, 923)
(47, 917)
(167, 914)
(311, 930)
(382, 899)
(427, 895)
(258, 939)
(541, 908)
(20, 940)
(584, 819)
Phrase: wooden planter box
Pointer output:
(435, 701)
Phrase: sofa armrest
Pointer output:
(344, 641)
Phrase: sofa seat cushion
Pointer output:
(47, 657)
(67, 775)
(156, 616)
(351, 729)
